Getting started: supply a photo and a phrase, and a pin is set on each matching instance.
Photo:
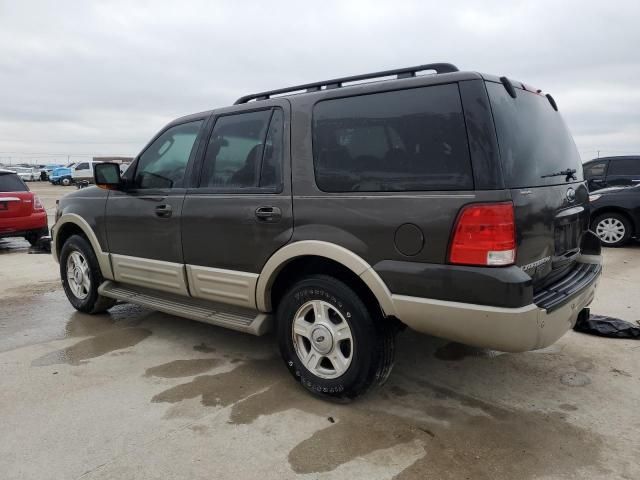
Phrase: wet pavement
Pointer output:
(141, 394)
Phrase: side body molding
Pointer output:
(103, 257)
(320, 249)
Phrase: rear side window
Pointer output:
(533, 139)
(393, 141)
(10, 182)
(626, 166)
(595, 169)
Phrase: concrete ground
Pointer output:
(140, 394)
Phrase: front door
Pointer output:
(241, 212)
(143, 221)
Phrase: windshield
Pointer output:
(534, 140)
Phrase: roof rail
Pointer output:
(406, 72)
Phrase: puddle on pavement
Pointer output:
(457, 351)
(204, 348)
(462, 437)
(12, 245)
(183, 368)
(101, 344)
(225, 388)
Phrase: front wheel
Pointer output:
(331, 343)
(81, 276)
(66, 182)
(613, 229)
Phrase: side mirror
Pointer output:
(107, 175)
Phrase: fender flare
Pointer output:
(103, 257)
(328, 250)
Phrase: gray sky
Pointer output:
(102, 77)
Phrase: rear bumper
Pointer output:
(17, 226)
(506, 329)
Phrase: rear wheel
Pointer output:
(34, 235)
(81, 276)
(613, 229)
(330, 341)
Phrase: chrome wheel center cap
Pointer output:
(78, 275)
(321, 339)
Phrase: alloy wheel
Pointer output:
(322, 339)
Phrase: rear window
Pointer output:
(595, 169)
(393, 141)
(626, 166)
(10, 182)
(533, 139)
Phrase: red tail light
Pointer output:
(37, 204)
(485, 234)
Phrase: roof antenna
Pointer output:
(552, 102)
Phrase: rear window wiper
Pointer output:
(569, 173)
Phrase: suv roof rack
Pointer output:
(406, 72)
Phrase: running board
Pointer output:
(227, 316)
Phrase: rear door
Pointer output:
(623, 172)
(143, 221)
(551, 208)
(240, 212)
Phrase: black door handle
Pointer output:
(163, 211)
(268, 214)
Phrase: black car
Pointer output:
(452, 203)
(615, 214)
(612, 172)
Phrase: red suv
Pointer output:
(21, 211)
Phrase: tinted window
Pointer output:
(10, 182)
(404, 140)
(163, 164)
(83, 166)
(533, 139)
(624, 166)
(595, 169)
(242, 147)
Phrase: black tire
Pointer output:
(617, 219)
(371, 350)
(66, 181)
(92, 302)
(33, 236)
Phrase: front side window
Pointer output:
(244, 151)
(163, 164)
(83, 166)
(393, 141)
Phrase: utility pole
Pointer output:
(598, 153)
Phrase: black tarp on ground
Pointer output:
(606, 327)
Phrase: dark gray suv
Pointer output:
(338, 212)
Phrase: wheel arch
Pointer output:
(70, 224)
(307, 252)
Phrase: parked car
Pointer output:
(21, 212)
(25, 173)
(612, 172)
(452, 203)
(62, 175)
(615, 214)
